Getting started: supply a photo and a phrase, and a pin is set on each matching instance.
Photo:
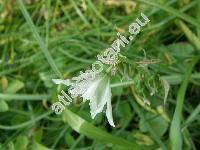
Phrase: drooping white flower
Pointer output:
(98, 92)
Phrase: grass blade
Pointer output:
(38, 38)
(175, 129)
(78, 11)
(192, 117)
(191, 36)
(28, 123)
(177, 13)
(23, 97)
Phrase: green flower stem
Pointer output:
(172, 79)
(127, 83)
(148, 108)
(152, 132)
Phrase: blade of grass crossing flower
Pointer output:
(175, 129)
(85, 128)
(38, 38)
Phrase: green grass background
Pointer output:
(45, 39)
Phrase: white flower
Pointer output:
(98, 92)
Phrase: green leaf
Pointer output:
(180, 50)
(116, 91)
(143, 139)
(38, 135)
(11, 146)
(21, 143)
(14, 86)
(3, 106)
(4, 83)
(124, 111)
(38, 146)
(157, 123)
(85, 128)
(69, 139)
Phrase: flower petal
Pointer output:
(109, 106)
(101, 96)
